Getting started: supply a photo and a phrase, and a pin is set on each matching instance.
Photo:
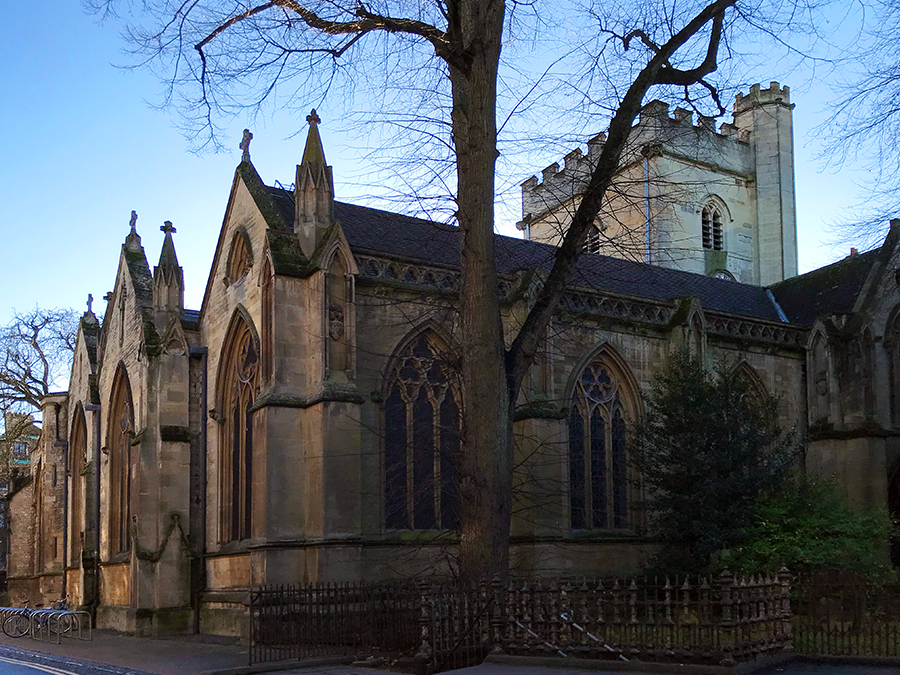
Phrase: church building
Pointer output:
(302, 424)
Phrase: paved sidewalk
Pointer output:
(196, 654)
(181, 655)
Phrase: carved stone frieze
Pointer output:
(630, 310)
(419, 275)
(422, 275)
(617, 308)
(757, 331)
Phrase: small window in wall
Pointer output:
(712, 228)
(592, 242)
(240, 258)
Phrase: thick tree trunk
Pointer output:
(486, 465)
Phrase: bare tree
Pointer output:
(36, 350)
(445, 55)
(865, 124)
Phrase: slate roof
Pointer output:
(390, 234)
(828, 290)
(190, 318)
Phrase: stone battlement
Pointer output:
(655, 125)
(757, 96)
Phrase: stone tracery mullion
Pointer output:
(596, 398)
(422, 384)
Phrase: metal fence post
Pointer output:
(784, 580)
(726, 581)
(425, 653)
(498, 590)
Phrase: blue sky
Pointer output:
(82, 147)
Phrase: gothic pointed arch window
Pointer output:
(338, 314)
(39, 519)
(819, 380)
(756, 394)
(77, 461)
(891, 344)
(240, 257)
(120, 433)
(421, 439)
(711, 224)
(602, 486)
(267, 284)
(239, 384)
(867, 375)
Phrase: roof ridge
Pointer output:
(829, 266)
(374, 231)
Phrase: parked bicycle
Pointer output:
(19, 624)
(56, 619)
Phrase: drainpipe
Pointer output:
(198, 559)
(64, 444)
(95, 544)
(647, 207)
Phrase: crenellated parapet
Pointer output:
(557, 185)
(758, 97)
(676, 132)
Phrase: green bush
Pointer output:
(806, 525)
(707, 448)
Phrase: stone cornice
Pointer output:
(629, 310)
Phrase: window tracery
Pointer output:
(755, 394)
(421, 414)
(711, 218)
(600, 484)
(240, 257)
(240, 387)
(77, 461)
(121, 433)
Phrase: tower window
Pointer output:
(712, 228)
(592, 241)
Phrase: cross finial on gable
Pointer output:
(313, 118)
(90, 302)
(245, 145)
(167, 227)
(133, 222)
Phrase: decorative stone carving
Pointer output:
(335, 322)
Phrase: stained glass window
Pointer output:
(421, 440)
(240, 388)
(121, 433)
(599, 494)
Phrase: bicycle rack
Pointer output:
(74, 624)
(41, 628)
(50, 625)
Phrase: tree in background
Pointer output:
(864, 123)
(36, 349)
(433, 68)
(807, 526)
(708, 448)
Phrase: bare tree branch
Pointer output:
(657, 71)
